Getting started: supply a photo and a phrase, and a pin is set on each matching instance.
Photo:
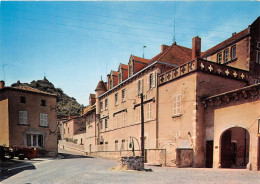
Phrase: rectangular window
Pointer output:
(256, 81)
(151, 81)
(106, 123)
(116, 99)
(123, 95)
(23, 117)
(22, 99)
(149, 111)
(138, 114)
(43, 119)
(101, 106)
(68, 129)
(106, 104)
(101, 124)
(176, 105)
(233, 52)
(257, 57)
(219, 56)
(226, 55)
(43, 103)
(139, 87)
(34, 140)
(29, 141)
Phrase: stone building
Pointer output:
(188, 94)
(28, 118)
(74, 129)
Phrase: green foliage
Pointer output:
(65, 105)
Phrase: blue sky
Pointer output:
(75, 43)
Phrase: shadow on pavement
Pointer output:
(9, 168)
(72, 156)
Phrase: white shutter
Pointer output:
(154, 79)
(46, 119)
(20, 117)
(25, 117)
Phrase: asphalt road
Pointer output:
(76, 169)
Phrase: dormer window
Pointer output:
(120, 77)
(111, 83)
(226, 55)
(233, 52)
(219, 58)
(130, 70)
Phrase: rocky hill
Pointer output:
(66, 105)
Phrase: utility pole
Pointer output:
(142, 124)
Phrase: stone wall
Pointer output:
(131, 163)
(184, 157)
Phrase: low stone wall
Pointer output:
(71, 146)
(184, 157)
(131, 163)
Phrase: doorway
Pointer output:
(235, 148)
(209, 154)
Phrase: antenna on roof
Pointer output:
(143, 50)
(3, 66)
(101, 77)
(173, 39)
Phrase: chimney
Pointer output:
(163, 47)
(2, 84)
(196, 47)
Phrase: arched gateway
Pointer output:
(234, 148)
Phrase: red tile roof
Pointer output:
(101, 86)
(125, 67)
(228, 41)
(30, 89)
(174, 54)
(142, 60)
(114, 73)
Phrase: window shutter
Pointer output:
(25, 117)
(154, 79)
(46, 119)
(20, 117)
(41, 119)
